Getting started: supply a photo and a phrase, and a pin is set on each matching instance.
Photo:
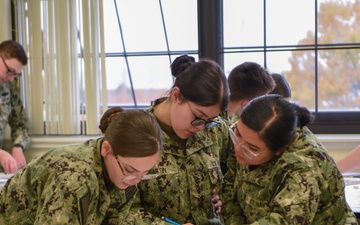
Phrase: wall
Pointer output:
(5, 20)
(338, 145)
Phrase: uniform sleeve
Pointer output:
(226, 146)
(138, 216)
(231, 212)
(61, 200)
(18, 120)
(296, 200)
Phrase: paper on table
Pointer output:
(3, 178)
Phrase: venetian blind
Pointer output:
(65, 88)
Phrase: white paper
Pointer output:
(352, 193)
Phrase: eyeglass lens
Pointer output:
(199, 121)
(135, 177)
(247, 152)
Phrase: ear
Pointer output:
(176, 95)
(106, 149)
(280, 151)
(244, 102)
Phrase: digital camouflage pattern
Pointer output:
(13, 113)
(60, 186)
(302, 186)
(182, 192)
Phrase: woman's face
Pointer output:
(250, 149)
(128, 171)
(183, 113)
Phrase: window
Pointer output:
(97, 54)
(314, 44)
(142, 38)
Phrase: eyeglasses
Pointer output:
(9, 71)
(130, 177)
(198, 121)
(247, 152)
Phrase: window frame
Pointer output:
(210, 46)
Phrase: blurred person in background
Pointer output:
(12, 61)
(282, 87)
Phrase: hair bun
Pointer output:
(106, 118)
(180, 64)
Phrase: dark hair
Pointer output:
(11, 49)
(203, 82)
(131, 133)
(282, 86)
(249, 80)
(275, 119)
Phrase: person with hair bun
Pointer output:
(284, 174)
(195, 138)
(89, 183)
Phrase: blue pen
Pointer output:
(170, 221)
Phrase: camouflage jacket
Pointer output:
(13, 113)
(64, 186)
(301, 186)
(182, 192)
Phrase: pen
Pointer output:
(170, 221)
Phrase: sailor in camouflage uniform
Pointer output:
(246, 81)
(189, 167)
(12, 112)
(89, 183)
(285, 175)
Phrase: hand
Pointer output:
(18, 154)
(8, 162)
(216, 202)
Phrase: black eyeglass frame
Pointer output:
(9, 72)
(199, 121)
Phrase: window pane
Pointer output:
(148, 61)
(151, 78)
(339, 21)
(301, 77)
(278, 62)
(243, 23)
(141, 24)
(112, 36)
(234, 59)
(291, 23)
(339, 80)
(181, 24)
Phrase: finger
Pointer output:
(7, 169)
(21, 164)
(216, 198)
(13, 168)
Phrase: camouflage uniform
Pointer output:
(13, 113)
(188, 175)
(301, 186)
(61, 186)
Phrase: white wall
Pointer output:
(337, 144)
